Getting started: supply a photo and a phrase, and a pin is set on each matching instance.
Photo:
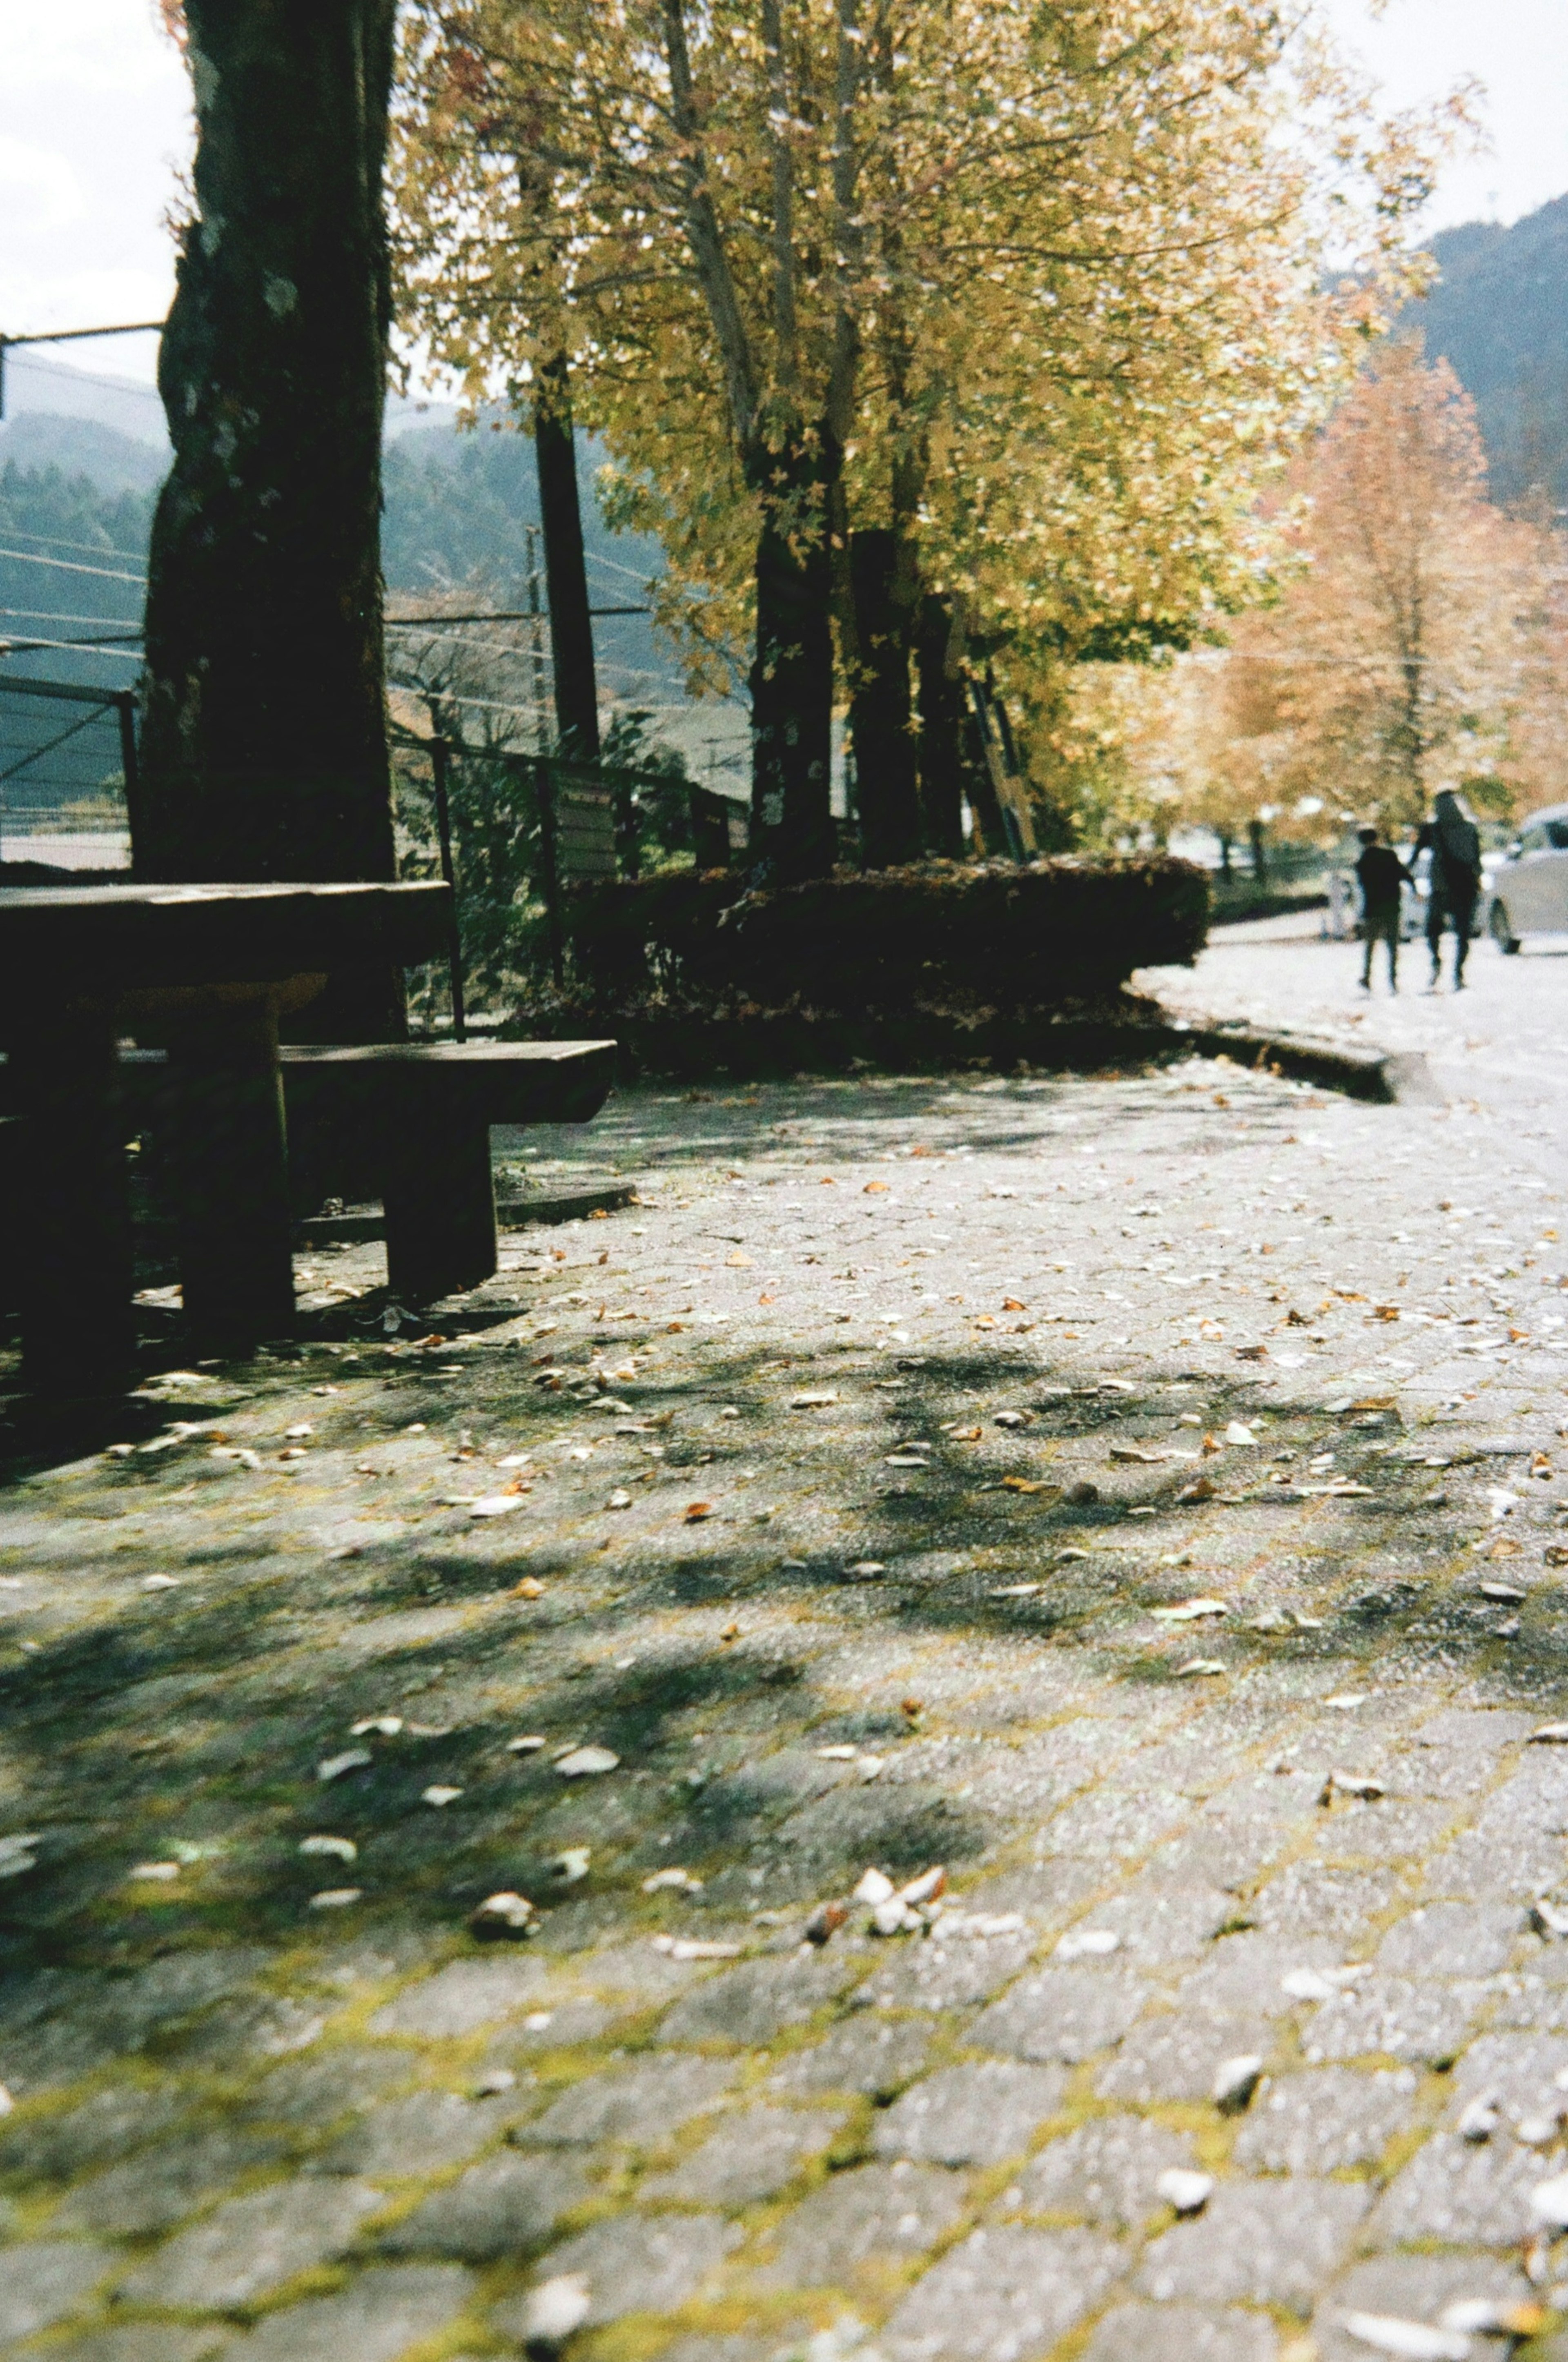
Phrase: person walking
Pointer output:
(1381, 875)
(1452, 839)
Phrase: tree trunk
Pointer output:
(879, 712)
(264, 744)
(566, 571)
(1225, 853)
(941, 762)
(791, 675)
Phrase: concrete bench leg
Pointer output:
(73, 1242)
(236, 1271)
(440, 1196)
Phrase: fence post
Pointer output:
(438, 751)
(130, 770)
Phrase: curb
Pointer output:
(1387, 1077)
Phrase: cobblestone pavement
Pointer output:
(1499, 1041)
(1135, 1495)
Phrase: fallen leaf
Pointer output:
(812, 1399)
(1030, 1485)
(695, 1511)
(1187, 2192)
(963, 1434)
(1088, 1943)
(529, 1744)
(1388, 2334)
(1014, 1304)
(687, 1948)
(587, 1762)
(1200, 1489)
(336, 1898)
(1200, 1666)
(530, 1587)
(438, 1795)
(738, 1262)
(1551, 1734)
(1189, 1611)
(1556, 1554)
(1235, 2080)
(824, 1922)
(875, 1189)
(672, 1881)
(352, 1759)
(1352, 1783)
(503, 1915)
(341, 1848)
(568, 1868)
(731, 1632)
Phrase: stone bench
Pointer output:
(422, 1113)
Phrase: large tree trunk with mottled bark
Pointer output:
(792, 834)
(943, 758)
(264, 743)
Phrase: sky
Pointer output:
(94, 130)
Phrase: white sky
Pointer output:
(94, 125)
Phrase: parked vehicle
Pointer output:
(1529, 887)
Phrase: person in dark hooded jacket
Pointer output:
(1452, 839)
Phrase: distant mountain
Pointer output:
(1499, 314)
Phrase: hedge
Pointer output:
(997, 935)
(917, 969)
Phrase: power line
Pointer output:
(70, 566)
(58, 540)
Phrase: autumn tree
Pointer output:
(264, 744)
(975, 325)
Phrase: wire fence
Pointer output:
(67, 774)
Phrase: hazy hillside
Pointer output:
(1501, 315)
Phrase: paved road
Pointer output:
(1109, 1491)
(1499, 1042)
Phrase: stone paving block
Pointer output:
(502, 2206)
(747, 2157)
(1450, 1939)
(418, 2135)
(635, 2264)
(877, 2056)
(1325, 2119)
(899, 1829)
(875, 2214)
(1245, 1973)
(328, 2083)
(1396, 2015)
(1115, 1823)
(1520, 2068)
(1391, 1830)
(1310, 1898)
(154, 2190)
(1006, 2291)
(971, 2116)
(46, 2281)
(1411, 2287)
(1483, 1865)
(1175, 2056)
(1466, 2193)
(1140, 2333)
(465, 1996)
(377, 2318)
(102, 2129)
(1105, 2170)
(1160, 1924)
(1523, 2000)
(1048, 1893)
(252, 2246)
(1261, 2242)
(947, 1974)
(640, 2105)
(1062, 2013)
(758, 1999)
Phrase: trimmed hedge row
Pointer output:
(992, 936)
(917, 970)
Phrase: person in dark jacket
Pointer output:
(1454, 843)
(1381, 875)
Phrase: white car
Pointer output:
(1530, 885)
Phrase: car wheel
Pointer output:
(1503, 934)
